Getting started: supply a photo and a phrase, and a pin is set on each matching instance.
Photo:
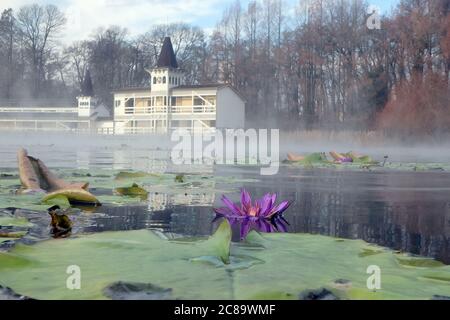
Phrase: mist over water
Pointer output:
(404, 210)
(50, 146)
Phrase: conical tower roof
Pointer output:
(167, 57)
(87, 90)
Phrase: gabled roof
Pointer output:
(211, 86)
(167, 57)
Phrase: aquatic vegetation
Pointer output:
(14, 222)
(60, 223)
(263, 215)
(179, 178)
(34, 175)
(320, 160)
(123, 175)
(135, 264)
(340, 158)
(74, 195)
(59, 200)
(37, 178)
(419, 262)
(134, 191)
(12, 228)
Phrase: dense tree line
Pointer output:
(321, 66)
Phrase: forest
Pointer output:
(320, 67)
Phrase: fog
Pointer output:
(57, 145)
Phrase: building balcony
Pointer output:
(172, 109)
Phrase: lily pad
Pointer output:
(14, 222)
(74, 195)
(133, 191)
(368, 252)
(419, 262)
(123, 175)
(288, 265)
(60, 200)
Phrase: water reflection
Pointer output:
(407, 211)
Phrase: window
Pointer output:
(154, 80)
(165, 101)
(118, 103)
(199, 102)
(164, 80)
(129, 105)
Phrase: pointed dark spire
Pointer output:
(87, 90)
(167, 57)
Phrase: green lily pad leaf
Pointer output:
(123, 175)
(179, 178)
(438, 277)
(419, 262)
(5, 240)
(74, 195)
(12, 235)
(368, 252)
(106, 258)
(14, 222)
(60, 200)
(220, 242)
(285, 267)
(133, 191)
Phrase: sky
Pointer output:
(84, 16)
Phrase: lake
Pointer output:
(406, 210)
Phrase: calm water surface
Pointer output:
(407, 211)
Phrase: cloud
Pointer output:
(137, 16)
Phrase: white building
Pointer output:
(170, 104)
(166, 104)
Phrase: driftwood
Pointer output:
(36, 177)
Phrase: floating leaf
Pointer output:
(74, 195)
(283, 266)
(60, 200)
(179, 178)
(132, 175)
(133, 191)
(14, 222)
(368, 252)
(419, 262)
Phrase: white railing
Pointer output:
(146, 110)
(174, 109)
(38, 110)
(193, 109)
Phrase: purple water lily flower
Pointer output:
(263, 215)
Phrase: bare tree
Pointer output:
(39, 26)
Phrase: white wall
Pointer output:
(84, 106)
(230, 109)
